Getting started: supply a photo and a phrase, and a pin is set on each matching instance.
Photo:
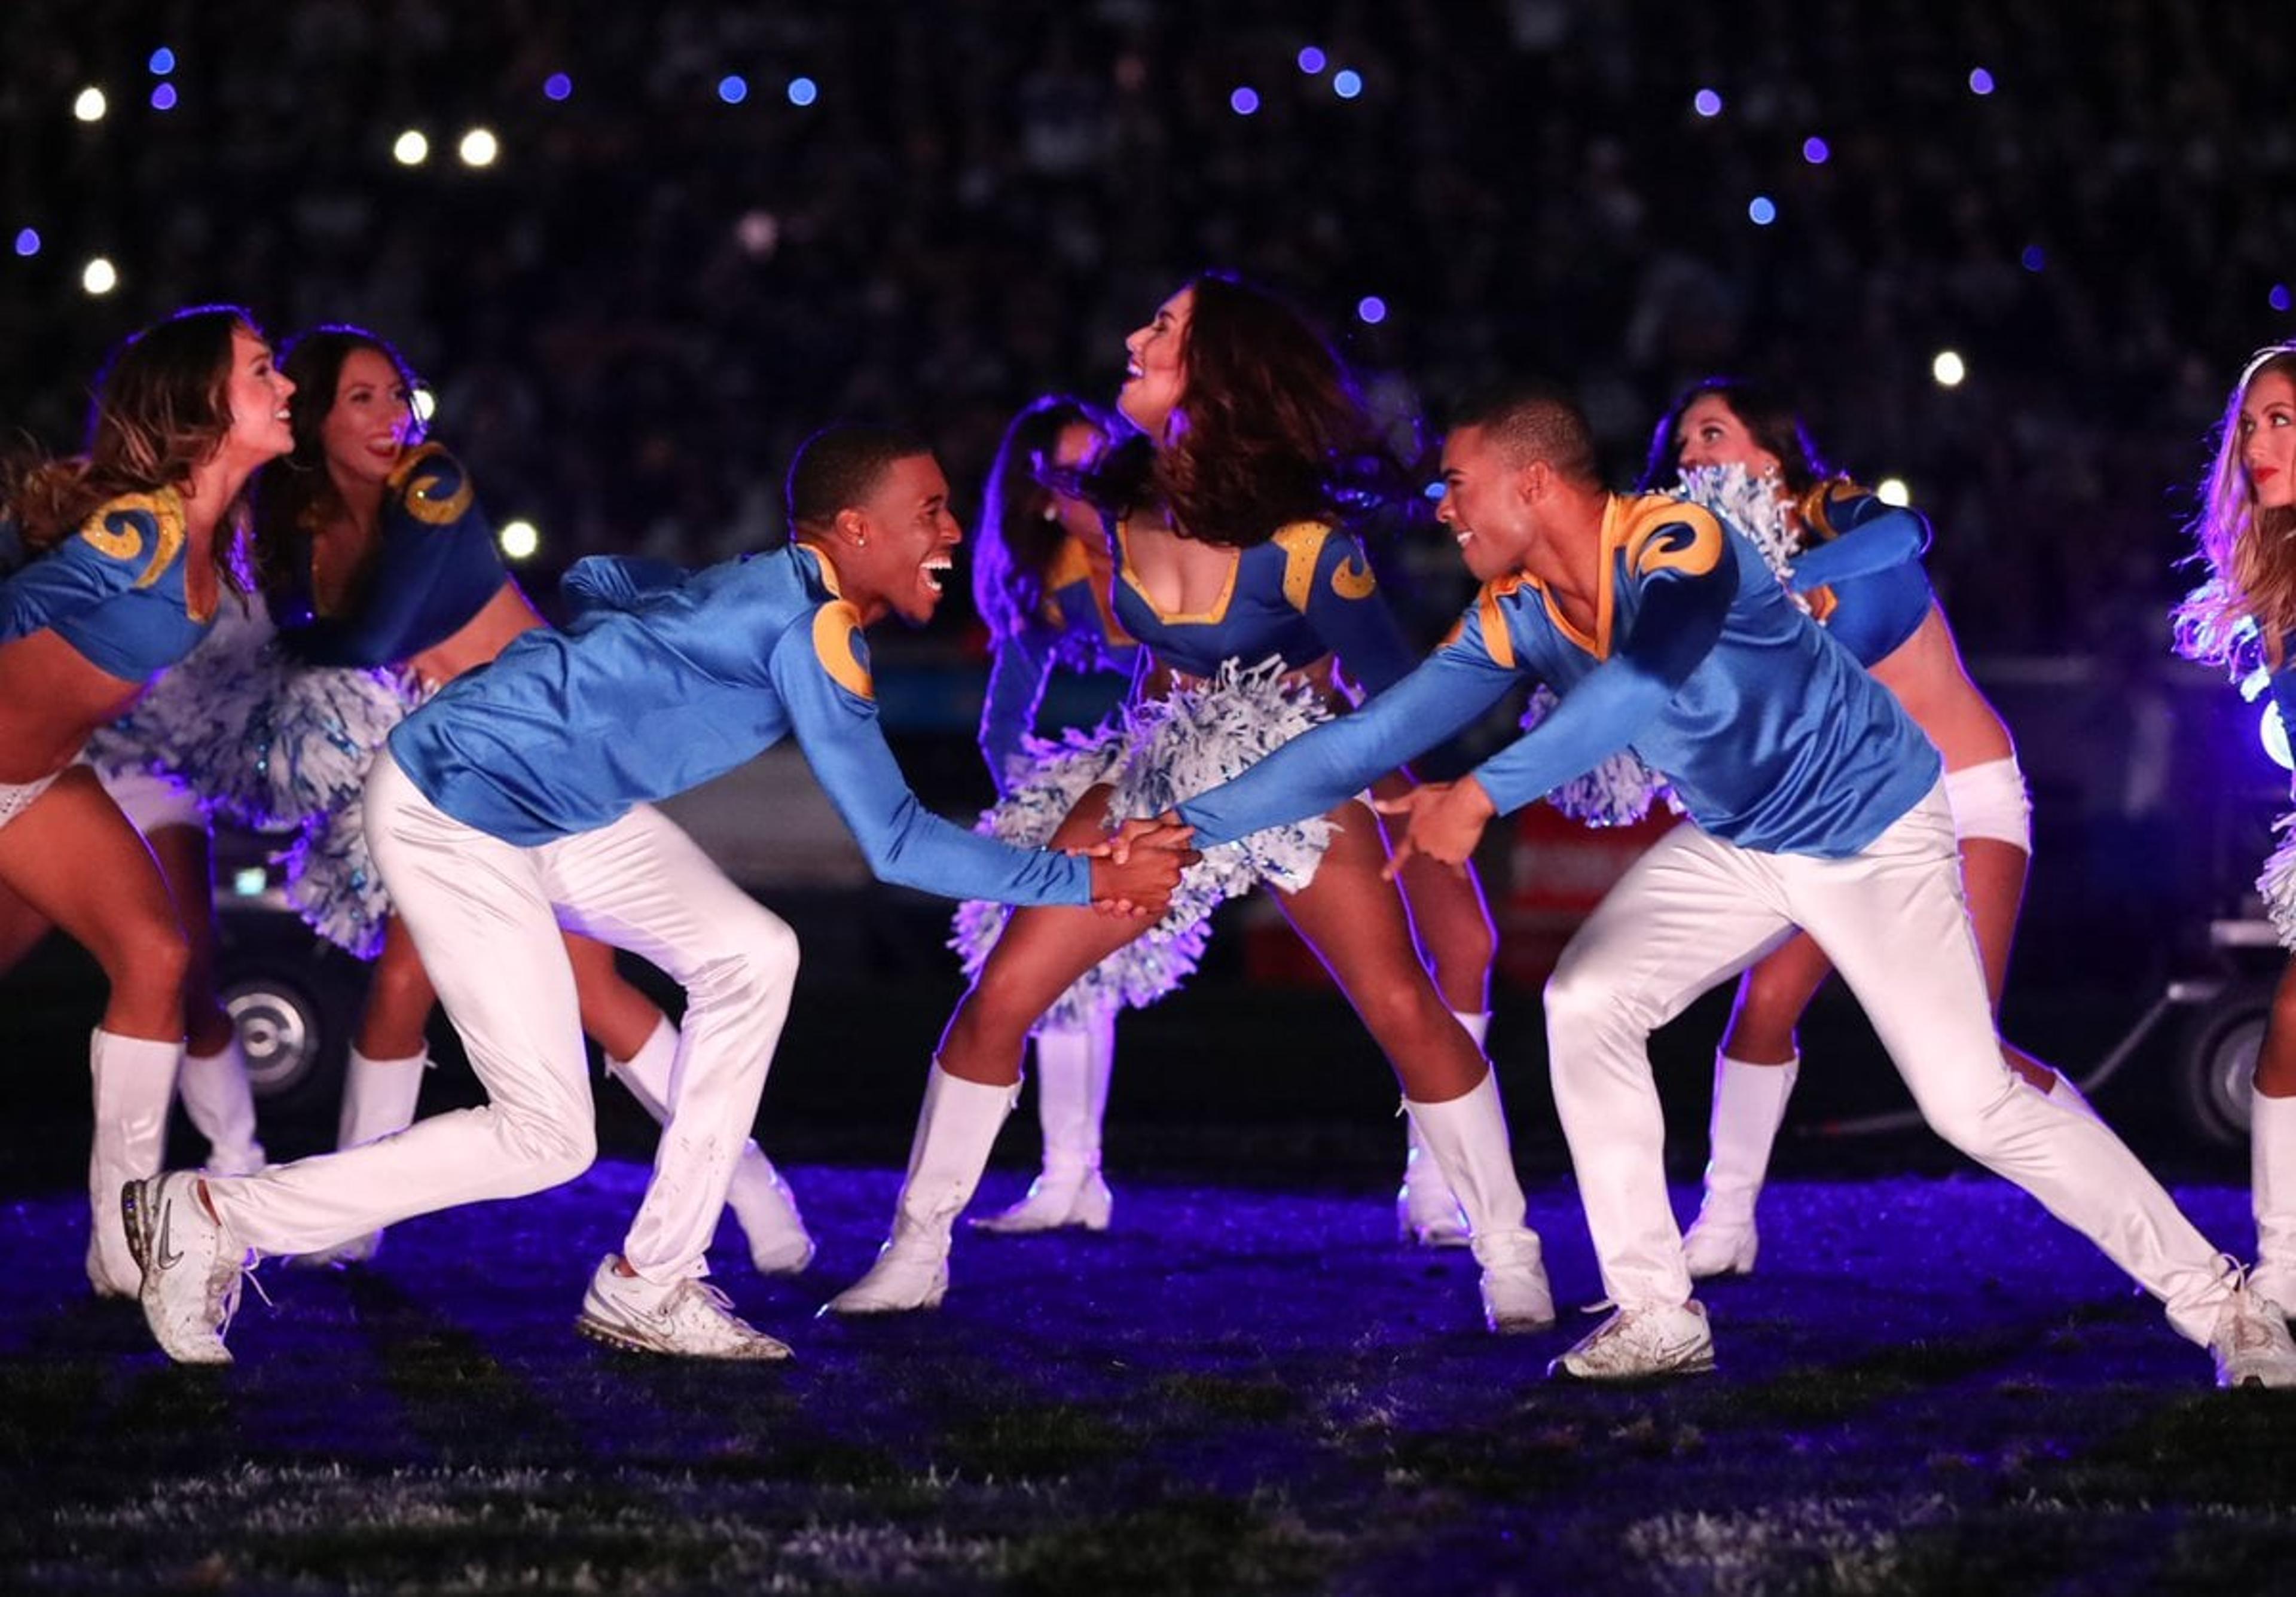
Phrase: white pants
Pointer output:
(485, 916)
(1696, 910)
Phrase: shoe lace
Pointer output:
(224, 1292)
(713, 1302)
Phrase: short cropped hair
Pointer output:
(1534, 421)
(840, 466)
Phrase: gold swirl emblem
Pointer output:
(433, 486)
(1683, 537)
(836, 644)
(117, 530)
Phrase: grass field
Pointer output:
(1930, 1386)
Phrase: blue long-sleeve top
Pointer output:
(115, 590)
(435, 567)
(1306, 592)
(665, 679)
(1771, 734)
(1076, 628)
(1865, 579)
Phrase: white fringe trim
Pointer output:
(2276, 885)
(1155, 754)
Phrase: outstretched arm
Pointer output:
(1339, 760)
(903, 841)
(1874, 537)
(599, 582)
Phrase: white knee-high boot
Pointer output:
(762, 1203)
(1468, 1138)
(2271, 1166)
(1750, 1104)
(955, 1129)
(135, 1081)
(1427, 1211)
(379, 1099)
(1073, 1070)
(214, 1089)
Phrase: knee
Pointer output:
(1580, 996)
(552, 1150)
(152, 958)
(758, 961)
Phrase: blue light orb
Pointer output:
(1243, 100)
(2034, 258)
(1980, 81)
(27, 241)
(163, 96)
(1761, 210)
(1706, 102)
(1371, 310)
(162, 62)
(1815, 151)
(1346, 83)
(2278, 298)
(557, 86)
(1312, 60)
(803, 91)
(733, 88)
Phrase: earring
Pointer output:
(1050, 512)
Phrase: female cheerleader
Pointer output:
(1232, 574)
(133, 541)
(2244, 615)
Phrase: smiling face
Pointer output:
(893, 547)
(370, 422)
(1484, 504)
(1156, 368)
(1712, 434)
(2267, 439)
(258, 394)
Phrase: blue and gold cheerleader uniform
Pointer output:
(1236, 692)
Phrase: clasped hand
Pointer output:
(1137, 866)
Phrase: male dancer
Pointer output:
(516, 801)
(1816, 804)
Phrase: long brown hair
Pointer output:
(1271, 427)
(298, 489)
(162, 411)
(1768, 420)
(1019, 535)
(2250, 550)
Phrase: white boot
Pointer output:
(213, 1087)
(2272, 1164)
(1072, 1072)
(379, 1099)
(1750, 1104)
(1468, 1137)
(1427, 1212)
(763, 1206)
(955, 1129)
(135, 1081)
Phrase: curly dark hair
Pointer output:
(1271, 427)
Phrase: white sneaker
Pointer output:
(2250, 1342)
(1055, 1201)
(910, 1274)
(1516, 1298)
(688, 1319)
(192, 1272)
(1641, 1344)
